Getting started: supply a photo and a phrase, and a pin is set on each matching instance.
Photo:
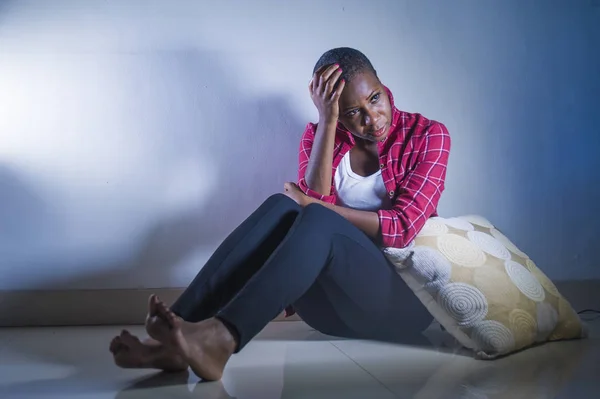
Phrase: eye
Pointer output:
(352, 113)
(375, 98)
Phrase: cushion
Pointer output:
(482, 289)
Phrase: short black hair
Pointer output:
(352, 62)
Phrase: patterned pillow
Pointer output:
(485, 291)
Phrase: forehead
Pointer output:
(359, 89)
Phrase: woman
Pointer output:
(369, 177)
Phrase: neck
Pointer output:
(365, 144)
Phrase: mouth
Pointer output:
(379, 132)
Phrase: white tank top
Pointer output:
(365, 193)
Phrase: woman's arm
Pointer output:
(417, 201)
(421, 191)
(318, 170)
(325, 96)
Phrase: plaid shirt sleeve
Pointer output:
(306, 144)
(419, 196)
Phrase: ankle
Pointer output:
(228, 333)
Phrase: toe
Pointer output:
(175, 321)
(162, 306)
(152, 302)
(117, 345)
(172, 317)
(128, 339)
(162, 309)
(114, 344)
(167, 315)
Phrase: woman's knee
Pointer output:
(318, 214)
(280, 199)
(317, 210)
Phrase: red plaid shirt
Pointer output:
(413, 160)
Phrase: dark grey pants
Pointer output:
(338, 281)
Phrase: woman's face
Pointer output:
(365, 108)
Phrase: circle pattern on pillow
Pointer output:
(464, 303)
(459, 224)
(478, 220)
(461, 251)
(525, 281)
(430, 268)
(398, 256)
(542, 278)
(497, 287)
(493, 336)
(489, 244)
(433, 227)
(547, 318)
(523, 325)
(507, 243)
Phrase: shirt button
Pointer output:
(392, 193)
(381, 166)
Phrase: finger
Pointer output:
(330, 72)
(315, 78)
(319, 71)
(324, 77)
(338, 91)
(331, 83)
(310, 85)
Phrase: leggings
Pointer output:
(337, 280)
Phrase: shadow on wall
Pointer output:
(252, 141)
(24, 215)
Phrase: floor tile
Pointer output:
(291, 360)
(287, 360)
(565, 369)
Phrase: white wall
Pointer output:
(134, 135)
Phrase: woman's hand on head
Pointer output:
(325, 98)
(293, 191)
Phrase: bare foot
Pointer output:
(206, 346)
(129, 352)
(156, 326)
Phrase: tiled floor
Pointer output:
(289, 360)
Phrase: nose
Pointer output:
(370, 118)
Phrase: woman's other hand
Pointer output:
(293, 191)
(325, 98)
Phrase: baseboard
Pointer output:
(128, 306)
(82, 307)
